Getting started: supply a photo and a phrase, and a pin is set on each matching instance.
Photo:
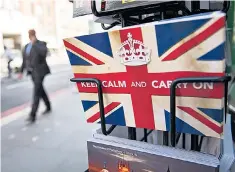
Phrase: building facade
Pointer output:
(18, 16)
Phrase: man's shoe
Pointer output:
(48, 110)
(31, 119)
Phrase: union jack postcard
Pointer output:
(137, 65)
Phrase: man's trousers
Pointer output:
(38, 93)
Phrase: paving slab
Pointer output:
(56, 143)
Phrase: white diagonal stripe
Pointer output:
(125, 99)
(68, 49)
(196, 124)
(197, 32)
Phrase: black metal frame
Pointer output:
(224, 79)
(226, 6)
(110, 26)
(146, 133)
(151, 8)
(100, 100)
(137, 9)
(131, 130)
(161, 7)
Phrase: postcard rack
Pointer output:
(174, 138)
(124, 19)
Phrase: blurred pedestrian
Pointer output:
(8, 55)
(34, 62)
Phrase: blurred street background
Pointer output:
(57, 142)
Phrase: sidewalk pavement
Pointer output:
(56, 143)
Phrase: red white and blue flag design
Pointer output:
(138, 64)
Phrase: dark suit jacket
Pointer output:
(36, 63)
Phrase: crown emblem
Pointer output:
(133, 52)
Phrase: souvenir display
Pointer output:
(137, 65)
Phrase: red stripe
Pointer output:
(23, 106)
(83, 53)
(202, 119)
(14, 109)
(196, 40)
(141, 98)
(216, 92)
(107, 109)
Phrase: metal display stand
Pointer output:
(194, 138)
(124, 17)
(101, 102)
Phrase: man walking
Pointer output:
(34, 62)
